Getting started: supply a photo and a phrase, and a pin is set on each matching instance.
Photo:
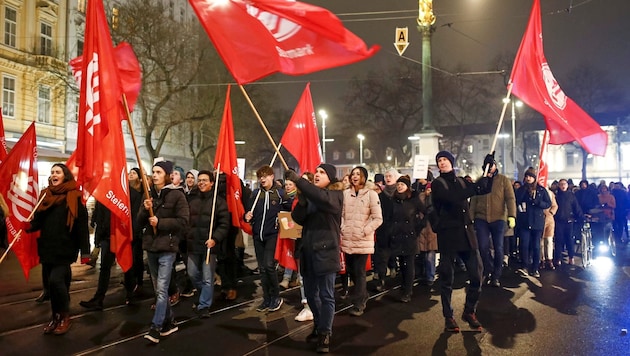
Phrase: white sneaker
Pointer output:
(285, 283)
(304, 315)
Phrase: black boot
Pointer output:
(380, 285)
(323, 343)
(93, 304)
(43, 297)
(313, 336)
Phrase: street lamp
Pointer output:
(361, 138)
(518, 104)
(324, 116)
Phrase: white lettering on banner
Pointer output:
(92, 95)
(555, 92)
(10, 228)
(280, 28)
(119, 203)
(296, 52)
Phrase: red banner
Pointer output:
(3, 140)
(257, 38)
(543, 169)
(284, 253)
(533, 83)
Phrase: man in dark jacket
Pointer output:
(456, 235)
(203, 245)
(269, 201)
(568, 212)
(319, 212)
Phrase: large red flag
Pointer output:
(19, 185)
(301, 137)
(543, 168)
(3, 140)
(533, 82)
(103, 172)
(256, 38)
(227, 158)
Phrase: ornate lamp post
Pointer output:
(426, 19)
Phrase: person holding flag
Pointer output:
(62, 221)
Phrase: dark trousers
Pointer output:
(227, 269)
(107, 261)
(355, 265)
(563, 238)
(137, 270)
(320, 295)
(487, 232)
(381, 260)
(446, 269)
(58, 277)
(265, 251)
(407, 272)
(530, 248)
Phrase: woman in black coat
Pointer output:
(62, 221)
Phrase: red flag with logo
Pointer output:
(19, 186)
(3, 140)
(257, 38)
(103, 172)
(227, 158)
(301, 137)
(533, 83)
(543, 169)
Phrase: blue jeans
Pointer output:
(202, 276)
(425, 266)
(320, 295)
(160, 266)
(492, 265)
(530, 249)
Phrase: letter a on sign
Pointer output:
(401, 39)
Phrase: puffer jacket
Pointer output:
(550, 223)
(361, 217)
(427, 240)
(200, 204)
(171, 209)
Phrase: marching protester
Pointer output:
(319, 211)
(162, 233)
(205, 213)
(427, 240)
(568, 213)
(456, 236)
(227, 260)
(547, 244)
(190, 182)
(62, 221)
(136, 196)
(360, 218)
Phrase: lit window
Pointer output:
(43, 104)
(8, 97)
(45, 39)
(10, 26)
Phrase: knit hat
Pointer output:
(379, 177)
(331, 171)
(167, 166)
(363, 171)
(448, 156)
(405, 179)
(137, 170)
(529, 172)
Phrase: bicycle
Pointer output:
(586, 243)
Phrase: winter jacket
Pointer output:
(101, 220)
(587, 198)
(171, 209)
(361, 217)
(497, 205)
(607, 203)
(406, 224)
(530, 207)
(319, 212)
(56, 243)
(568, 207)
(384, 231)
(550, 223)
(450, 199)
(265, 214)
(200, 205)
(427, 241)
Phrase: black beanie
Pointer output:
(167, 166)
(137, 170)
(331, 171)
(405, 179)
(448, 156)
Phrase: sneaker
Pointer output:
(343, 294)
(380, 285)
(153, 335)
(203, 312)
(275, 304)
(92, 304)
(304, 315)
(535, 274)
(495, 283)
(188, 293)
(471, 319)
(323, 344)
(354, 311)
(450, 325)
(522, 271)
(168, 329)
(405, 298)
(264, 306)
(285, 283)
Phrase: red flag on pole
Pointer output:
(19, 186)
(284, 253)
(543, 169)
(301, 137)
(533, 83)
(3, 140)
(103, 172)
(257, 38)
(227, 158)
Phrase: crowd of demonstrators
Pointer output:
(362, 215)
(62, 221)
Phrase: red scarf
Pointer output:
(65, 192)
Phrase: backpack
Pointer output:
(433, 215)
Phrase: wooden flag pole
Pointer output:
(496, 133)
(214, 203)
(273, 143)
(143, 176)
(17, 236)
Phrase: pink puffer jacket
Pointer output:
(361, 217)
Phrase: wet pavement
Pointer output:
(569, 311)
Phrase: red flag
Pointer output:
(226, 157)
(3, 140)
(543, 169)
(103, 173)
(533, 82)
(301, 137)
(19, 186)
(257, 38)
(284, 253)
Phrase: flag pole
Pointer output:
(143, 176)
(260, 120)
(496, 133)
(214, 203)
(17, 236)
(273, 159)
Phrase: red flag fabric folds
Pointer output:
(227, 158)
(533, 83)
(103, 173)
(543, 168)
(301, 137)
(284, 253)
(3, 140)
(257, 38)
(19, 186)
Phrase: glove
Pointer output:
(291, 175)
(511, 222)
(489, 162)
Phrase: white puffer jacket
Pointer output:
(361, 216)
